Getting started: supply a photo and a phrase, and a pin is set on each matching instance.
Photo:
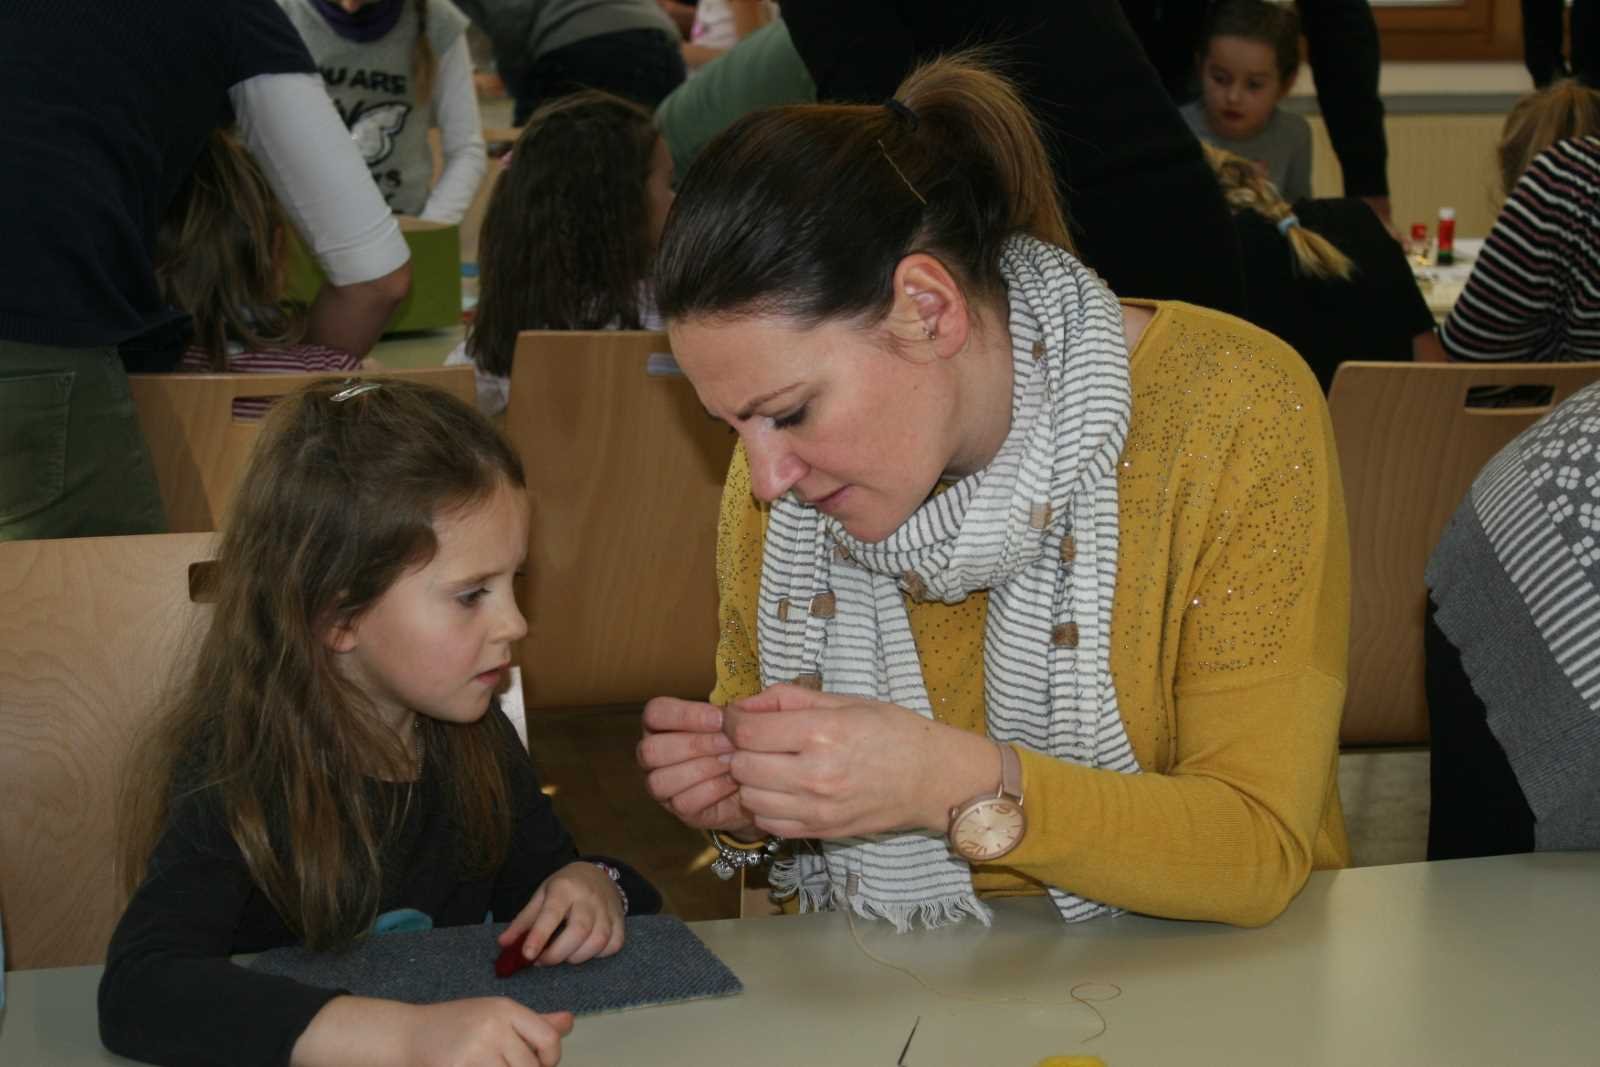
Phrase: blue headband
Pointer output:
(1286, 222)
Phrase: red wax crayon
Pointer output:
(511, 960)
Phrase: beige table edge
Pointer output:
(1483, 961)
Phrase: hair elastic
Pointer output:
(902, 112)
(1286, 222)
(350, 392)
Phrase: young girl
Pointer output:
(394, 68)
(1324, 275)
(1249, 56)
(219, 257)
(337, 754)
(570, 233)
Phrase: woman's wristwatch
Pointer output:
(991, 824)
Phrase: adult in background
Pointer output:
(1534, 290)
(1145, 209)
(107, 107)
(1023, 589)
(1514, 613)
(1342, 45)
(548, 48)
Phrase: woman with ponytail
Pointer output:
(1024, 589)
(1324, 274)
(395, 68)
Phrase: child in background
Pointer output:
(1249, 56)
(336, 758)
(570, 233)
(720, 24)
(219, 257)
(394, 68)
(1324, 275)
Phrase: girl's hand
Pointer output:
(825, 765)
(490, 1031)
(685, 754)
(581, 900)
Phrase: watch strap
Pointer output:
(1010, 771)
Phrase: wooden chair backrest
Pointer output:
(625, 472)
(93, 631)
(1409, 449)
(199, 449)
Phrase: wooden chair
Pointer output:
(625, 472)
(1409, 449)
(199, 449)
(93, 631)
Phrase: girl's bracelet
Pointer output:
(616, 882)
(735, 855)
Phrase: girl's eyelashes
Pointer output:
(791, 420)
(472, 596)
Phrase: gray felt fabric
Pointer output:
(661, 961)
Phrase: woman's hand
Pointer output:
(812, 764)
(575, 916)
(685, 754)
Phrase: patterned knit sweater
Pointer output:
(1534, 293)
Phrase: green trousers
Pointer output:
(73, 462)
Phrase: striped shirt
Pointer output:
(1534, 293)
(278, 359)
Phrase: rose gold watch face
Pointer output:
(988, 829)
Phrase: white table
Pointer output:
(1486, 961)
(1441, 286)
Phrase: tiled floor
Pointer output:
(587, 756)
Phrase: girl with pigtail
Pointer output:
(1025, 589)
(395, 68)
(1324, 274)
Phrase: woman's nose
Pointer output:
(774, 468)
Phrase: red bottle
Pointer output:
(1447, 237)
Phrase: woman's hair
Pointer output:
(806, 211)
(1245, 188)
(339, 499)
(566, 241)
(1274, 25)
(423, 60)
(1564, 109)
(218, 254)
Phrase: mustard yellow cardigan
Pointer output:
(1229, 634)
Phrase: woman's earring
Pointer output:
(930, 332)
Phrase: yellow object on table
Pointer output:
(435, 298)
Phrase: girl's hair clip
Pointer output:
(354, 390)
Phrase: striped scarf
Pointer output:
(1037, 528)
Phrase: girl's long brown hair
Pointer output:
(566, 241)
(338, 500)
(218, 255)
(423, 61)
(1245, 188)
(805, 211)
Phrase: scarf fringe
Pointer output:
(818, 893)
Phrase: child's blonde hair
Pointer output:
(339, 499)
(1246, 189)
(1563, 109)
